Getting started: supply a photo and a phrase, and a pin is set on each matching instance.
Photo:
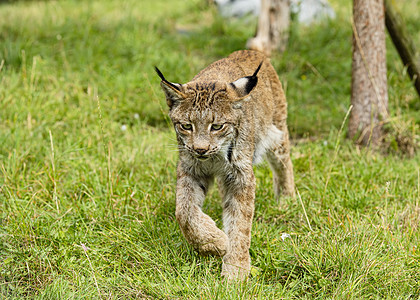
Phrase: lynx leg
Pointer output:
(197, 227)
(281, 165)
(221, 187)
(238, 211)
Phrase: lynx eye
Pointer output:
(215, 127)
(186, 126)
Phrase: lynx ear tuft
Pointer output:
(257, 70)
(243, 86)
(172, 91)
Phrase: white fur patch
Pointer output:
(274, 136)
(240, 83)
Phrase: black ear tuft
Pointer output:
(252, 80)
(256, 71)
(164, 79)
(160, 74)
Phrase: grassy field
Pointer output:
(87, 161)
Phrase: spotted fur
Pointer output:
(228, 117)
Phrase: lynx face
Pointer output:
(204, 131)
(204, 137)
(206, 114)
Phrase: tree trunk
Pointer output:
(369, 95)
(403, 43)
(273, 27)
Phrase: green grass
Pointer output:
(87, 161)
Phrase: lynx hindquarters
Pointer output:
(231, 115)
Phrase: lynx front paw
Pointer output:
(205, 236)
(217, 245)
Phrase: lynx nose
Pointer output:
(200, 151)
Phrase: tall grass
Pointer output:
(87, 161)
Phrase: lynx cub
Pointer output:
(226, 119)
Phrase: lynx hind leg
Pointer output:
(281, 165)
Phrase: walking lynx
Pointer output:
(230, 116)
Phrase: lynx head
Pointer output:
(206, 114)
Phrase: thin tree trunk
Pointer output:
(369, 95)
(403, 43)
(273, 27)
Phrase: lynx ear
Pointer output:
(243, 86)
(172, 91)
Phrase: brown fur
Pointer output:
(226, 119)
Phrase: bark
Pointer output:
(369, 95)
(403, 43)
(273, 27)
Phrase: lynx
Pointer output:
(230, 116)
